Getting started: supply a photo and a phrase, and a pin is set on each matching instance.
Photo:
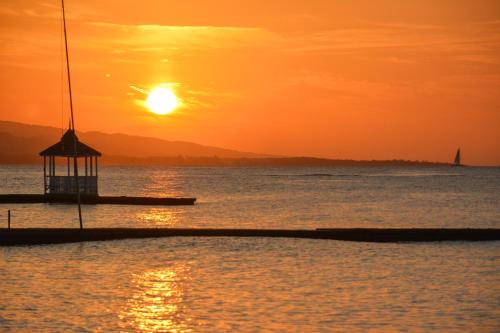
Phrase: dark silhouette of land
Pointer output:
(21, 143)
(23, 140)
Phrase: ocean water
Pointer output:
(292, 198)
(258, 284)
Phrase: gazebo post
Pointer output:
(67, 160)
(86, 176)
(44, 174)
(96, 180)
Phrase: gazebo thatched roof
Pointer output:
(66, 147)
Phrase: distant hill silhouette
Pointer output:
(21, 143)
(22, 139)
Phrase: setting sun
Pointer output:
(161, 101)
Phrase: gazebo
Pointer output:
(66, 184)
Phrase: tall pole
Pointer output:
(75, 156)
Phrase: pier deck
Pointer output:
(36, 236)
(93, 200)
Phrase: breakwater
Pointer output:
(93, 200)
(36, 236)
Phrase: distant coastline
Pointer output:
(21, 143)
(214, 161)
(258, 162)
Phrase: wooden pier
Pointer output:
(38, 236)
(92, 199)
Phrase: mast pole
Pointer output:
(75, 156)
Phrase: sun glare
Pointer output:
(161, 101)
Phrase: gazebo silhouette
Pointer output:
(66, 184)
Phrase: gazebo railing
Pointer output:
(67, 184)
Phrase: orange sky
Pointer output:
(341, 79)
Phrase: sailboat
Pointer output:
(457, 159)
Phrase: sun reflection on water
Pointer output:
(157, 302)
(162, 183)
(158, 216)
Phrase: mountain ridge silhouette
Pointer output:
(19, 139)
(21, 143)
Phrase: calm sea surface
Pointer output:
(233, 284)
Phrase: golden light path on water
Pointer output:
(160, 217)
(157, 302)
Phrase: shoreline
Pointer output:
(216, 161)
